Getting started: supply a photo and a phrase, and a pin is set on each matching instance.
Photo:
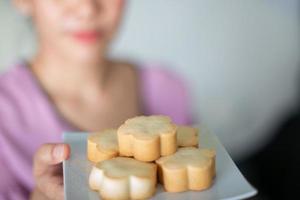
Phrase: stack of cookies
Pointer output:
(129, 160)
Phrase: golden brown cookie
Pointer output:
(102, 145)
(189, 168)
(187, 136)
(124, 178)
(147, 138)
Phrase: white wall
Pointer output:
(241, 58)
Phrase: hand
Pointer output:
(47, 171)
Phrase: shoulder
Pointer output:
(15, 77)
(12, 81)
(165, 92)
(15, 91)
(8, 83)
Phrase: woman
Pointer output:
(71, 85)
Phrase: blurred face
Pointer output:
(75, 29)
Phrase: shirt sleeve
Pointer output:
(9, 188)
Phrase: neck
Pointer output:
(68, 77)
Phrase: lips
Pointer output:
(87, 36)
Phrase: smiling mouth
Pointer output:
(87, 37)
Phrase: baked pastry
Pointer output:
(187, 136)
(147, 138)
(102, 145)
(124, 178)
(189, 168)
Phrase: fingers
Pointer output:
(47, 169)
(51, 187)
(49, 155)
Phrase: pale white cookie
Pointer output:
(124, 178)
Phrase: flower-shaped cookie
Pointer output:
(147, 138)
(124, 178)
(102, 145)
(187, 136)
(189, 168)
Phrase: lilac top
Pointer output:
(28, 119)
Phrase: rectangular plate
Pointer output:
(229, 183)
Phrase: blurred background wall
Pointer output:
(240, 58)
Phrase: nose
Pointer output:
(88, 8)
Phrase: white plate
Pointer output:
(229, 183)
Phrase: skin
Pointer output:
(84, 86)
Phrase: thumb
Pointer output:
(48, 155)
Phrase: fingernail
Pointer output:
(59, 151)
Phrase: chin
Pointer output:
(86, 54)
(87, 57)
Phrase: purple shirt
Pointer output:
(28, 119)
